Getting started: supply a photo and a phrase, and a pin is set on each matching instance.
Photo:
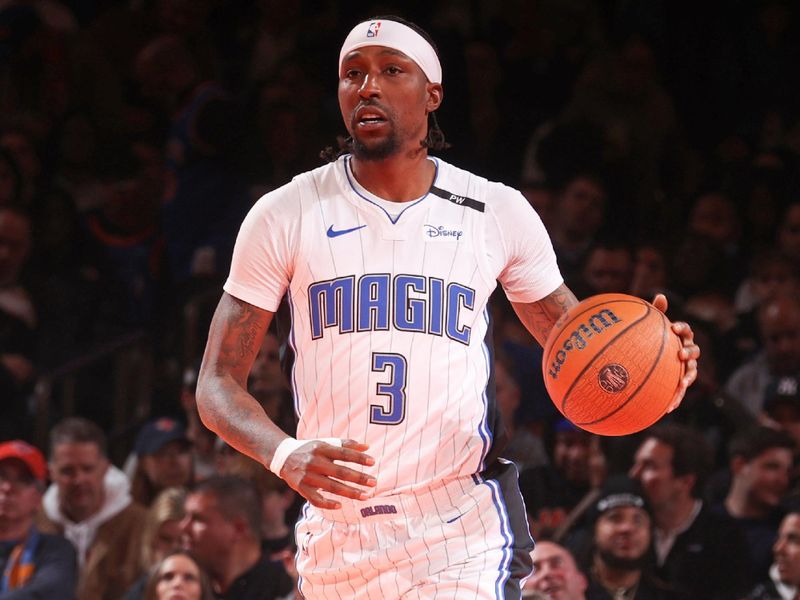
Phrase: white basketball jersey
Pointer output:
(390, 327)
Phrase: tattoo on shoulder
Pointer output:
(242, 324)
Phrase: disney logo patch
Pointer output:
(442, 233)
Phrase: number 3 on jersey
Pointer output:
(395, 389)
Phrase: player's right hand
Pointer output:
(312, 468)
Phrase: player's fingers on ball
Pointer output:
(690, 375)
(684, 331)
(690, 351)
(660, 302)
(676, 401)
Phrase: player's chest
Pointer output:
(429, 240)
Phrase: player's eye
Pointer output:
(352, 73)
(393, 70)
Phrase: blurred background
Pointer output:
(657, 140)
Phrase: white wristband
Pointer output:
(289, 445)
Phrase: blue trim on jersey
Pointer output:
(505, 529)
(393, 220)
(483, 429)
(304, 517)
(295, 393)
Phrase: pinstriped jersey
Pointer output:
(390, 326)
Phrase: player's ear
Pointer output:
(435, 96)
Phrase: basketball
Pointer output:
(611, 364)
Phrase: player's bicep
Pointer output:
(540, 316)
(236, 334)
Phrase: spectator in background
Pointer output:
(89, 502)
(555, 573)
(779, 332)
(199, 435)
(222, 528)
(277, 498)
(164, 459)
(553, 491)
(620, 92)
(701, 554)
(33, 564)
(267, 383)
(651, 272)
(696, 264)
(125, 228)
(771, 274)
(782, 407)
(178, 576)
(714, 215)
(11, 182)
(18, 324)
(760, 465)
(620, 563)
(787, 237)
(161, 536)
(578, 215)
(22, 147)
(205, 198)
(523, 448)
(608, 269)
(784, 575)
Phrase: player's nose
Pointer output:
(370, 87)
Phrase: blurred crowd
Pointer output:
(659, 142)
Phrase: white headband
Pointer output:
(397, 36)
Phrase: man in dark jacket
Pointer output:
(702, 554)
(222, 529)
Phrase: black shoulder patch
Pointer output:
(456, 199)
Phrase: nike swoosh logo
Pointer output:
(332, 233)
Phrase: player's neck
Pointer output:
(399, 178)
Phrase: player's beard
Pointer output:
(380, 150)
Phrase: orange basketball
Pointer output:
(611, 364)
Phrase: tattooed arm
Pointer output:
(539, 317)
(225, 407)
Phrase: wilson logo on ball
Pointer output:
(613, 378)
(578, 339)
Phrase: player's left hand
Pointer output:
(688, 354)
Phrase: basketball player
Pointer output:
(387, 258)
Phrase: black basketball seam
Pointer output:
(644, 379)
